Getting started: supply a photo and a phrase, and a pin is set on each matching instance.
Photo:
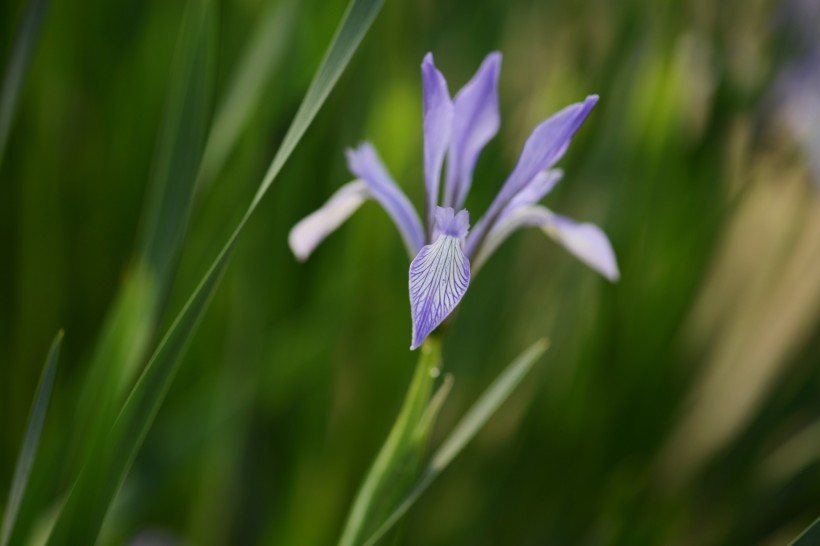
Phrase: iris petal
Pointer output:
(585, 241)
(534, 191)
(544, 147)
(364, 162)
(475, 122)
(439, 276)
(313, 229)
(438, 124)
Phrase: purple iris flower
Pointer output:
(444, 251)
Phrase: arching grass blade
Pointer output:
(810, 536)
(31, 440)
(17, 66)
(260, 60)
(82, 515)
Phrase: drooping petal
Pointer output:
(439, 275)
(314, 228)
(438, 124)
(544, 147)
(364, 162)
(525, 216)
(585, 241)
(537, 189)
(475, 122)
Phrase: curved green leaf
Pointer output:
(259, 62)
(31, 441)
(17, 65)
(809, 537)
(86, 506)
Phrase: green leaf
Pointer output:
(428, 418)
(125, 340)
(86, 506)
(809, 537)
(82, 515)
(395, 466)
(466, 429)
(259, 62)
(357, 19)
(31, 441)
(180, 145)
(17, 66)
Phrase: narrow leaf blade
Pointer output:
(125, 340)
(17, 66)
(180, 145)
(396, 464)
(83, 513)
(32, 439)
(255, 69)
(355, 23)
(466, 429)
(810, 536)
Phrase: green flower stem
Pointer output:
(401, 442)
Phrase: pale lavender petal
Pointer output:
(537, 189)
(448, 222)
(524, 216)
(545, 146)
(313, 229)
(475, 122)
(364, 162)
(438, 124)
(585, 241)
(439, 275)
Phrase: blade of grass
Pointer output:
(180, 145)
(466, 429)
(129, 327)
(82, 515)
(259, 62)
(17, 66)
(32, 438)
(88, 502)
(809, 537)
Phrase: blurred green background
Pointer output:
(679, 406)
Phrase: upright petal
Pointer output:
(312, 230)
(545, 146)
(585, 241)
(475, 122)
(364, 162)
(438, 124)
(448, 222)
(439, 275)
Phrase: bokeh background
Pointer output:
(678, 406)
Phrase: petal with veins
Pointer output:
(439, 275)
